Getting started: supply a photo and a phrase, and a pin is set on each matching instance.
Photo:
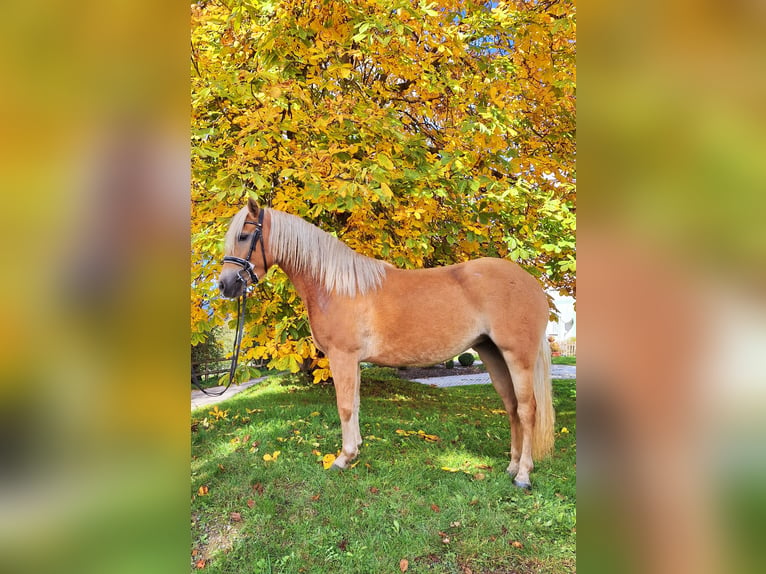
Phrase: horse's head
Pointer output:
(246, 253)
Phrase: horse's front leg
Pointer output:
(345, 373)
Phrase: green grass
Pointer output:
(564, 360)
(397, 503)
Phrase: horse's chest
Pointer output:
(334, 327)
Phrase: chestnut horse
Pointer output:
(363, 309)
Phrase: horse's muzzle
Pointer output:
(231, 285)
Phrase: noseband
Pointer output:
(246, 264)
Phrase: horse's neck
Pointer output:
(311, 292)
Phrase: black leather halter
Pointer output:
(246, 264)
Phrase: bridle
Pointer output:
(246, 264)
(249, 268)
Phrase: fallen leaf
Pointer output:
(258, 488)
(236, 516)
(564, 430)
(200, 564)
(203, 490)
(450, 469)
(271, 457)
(250, 502)
(327, 460)
(218, 414)
(195, 552)
(404, 564)
(455, 524)
(479, 476)
(374, 490)
(517, 544)
(316, 497)
(435, 508)
(316, 452)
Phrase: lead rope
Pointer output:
(241, 310)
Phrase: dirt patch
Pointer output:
(216, 538)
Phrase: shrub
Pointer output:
(466, 359)
(449, 364)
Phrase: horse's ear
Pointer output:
(252, 207)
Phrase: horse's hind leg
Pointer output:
(345, 373)
(521, 368)
(501, 379)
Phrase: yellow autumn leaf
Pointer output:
(327, 460)
(321, 375)
(218, 413)
(272, 457)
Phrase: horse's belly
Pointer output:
(421, 347)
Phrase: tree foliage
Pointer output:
(421, 133)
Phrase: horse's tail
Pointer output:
(542, 440)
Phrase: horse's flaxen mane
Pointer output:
(305, 248)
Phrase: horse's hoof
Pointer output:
(336, 467)
(522, 484)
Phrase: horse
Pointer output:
(362, 309)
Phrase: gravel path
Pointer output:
(557, 372)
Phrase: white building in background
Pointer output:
(566, 327)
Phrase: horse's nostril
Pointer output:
(220, 284)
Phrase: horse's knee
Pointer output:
(345, 413)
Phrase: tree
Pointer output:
(419, 133)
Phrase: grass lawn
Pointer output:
(564, 360)
(398, 503)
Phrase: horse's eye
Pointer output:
(244, 237)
